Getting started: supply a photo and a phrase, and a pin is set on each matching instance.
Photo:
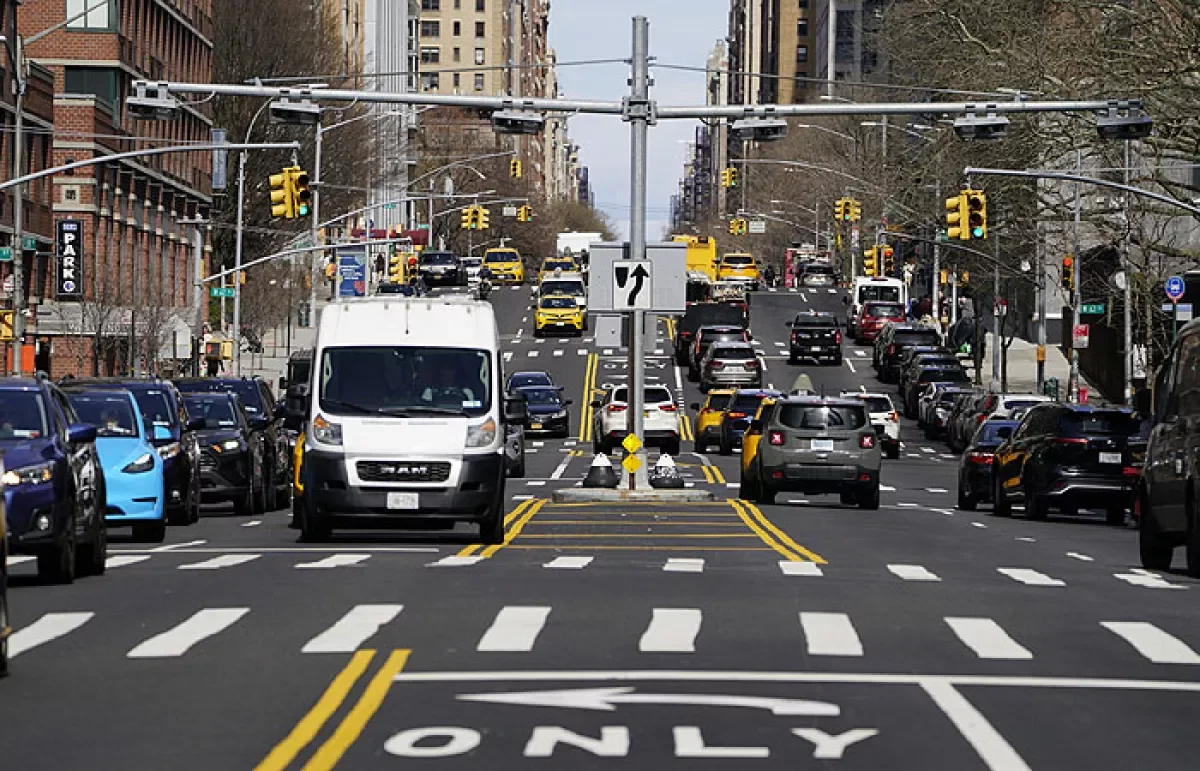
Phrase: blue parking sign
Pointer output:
(1175, 288)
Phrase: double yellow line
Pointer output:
(773, 536)
(515, 522)
(712, 474)
(589, 386)
(352, 725)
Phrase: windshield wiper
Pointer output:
(361, 410)
(412, 410)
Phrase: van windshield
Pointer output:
(882, 293)
(405, 381)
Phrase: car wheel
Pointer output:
(745, 488)
(765, 494)
(671, 448)
(700, 446)
(847, 499)
(837, 360)
(726, 448)
(244, 506)
(150, 532)
(1036, 507)
(4, 624)
(270, 489)
(1115, 516)
(693, 374)
(1193, 538)
(283, 497)
(893, 451)
(518, 471)
(491, 529)
(537, 332)
(57, 565)
(93, 559)
(1001, 506)
(869, 498)
(965, 500)
(314, 527)
(259, 499)
(1155, 552)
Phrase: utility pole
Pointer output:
(1076, 293)
(638, 115)
(934, 277)
(317, 265)
(1127, 290)
(997, 332)
(18, 245)
(237, 266)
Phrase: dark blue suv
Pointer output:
(53, 482)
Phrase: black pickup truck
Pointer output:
(703, 315)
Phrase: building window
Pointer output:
(101, 16)
(100, 82)
(802, 28)
(431, 5)
(430, 54)
(457, 54)
(456, 81)
(479, 6)
(429, 81)
(479, 81)
(479, 55)
(431, 28)
(801, 54)
(457, 4)
(803, 4)
(480, 29)
(457, 28)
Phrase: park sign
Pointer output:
(68, 274)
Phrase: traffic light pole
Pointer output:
(1076, 294)
(237, 268)
(316, 264)
(639, 114)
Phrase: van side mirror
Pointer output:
(258, 422)
(283, 384)
(516, 411)
(597, 403)
(568, 402)
(160, 433)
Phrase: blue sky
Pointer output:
(681, 32)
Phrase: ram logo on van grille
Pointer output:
(395, 471)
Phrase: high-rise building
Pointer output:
(463, 44)
(769, 45)
(845, 46)
(133, 306)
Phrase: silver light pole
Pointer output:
(639, 120)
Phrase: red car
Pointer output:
(874, 316)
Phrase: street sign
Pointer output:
(631, 444)
(631, 284)
(1175, 288)
(612, 331)
(1091, 309)
(757, 227)
(352, 272)
(5, 254)
(631, 463)
(220, 291)
(29, 244)
(1079, 336)
(509, 211)
(667, 282)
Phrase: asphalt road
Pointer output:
(799, 635)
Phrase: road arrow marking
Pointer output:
(607, 699)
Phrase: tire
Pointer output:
(1155, 553)
(893, 452)
(57, 565)
(271, 490)
(180, 515)
(966, 501)
(4, 624)
(726, 448)
(746, 489)
(930, 432)
(693, 374)
(491, 529)
(1036, 507)
(283, 497)
(837, 360)
(244, 506)
(150, 532)
(1192, 546)
(93, 557)
(194, 501)
(847, 499)
(869, 500)
(1114, 516)
(518, 471)
(537, 332)
(765, 495)
(259, 498)
(1001, 506)
(297, 512)
(699, 446)
(314, 528)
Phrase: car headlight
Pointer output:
(168, 450)
(482, 434)
(29, 475)
(325, 432)
(140, 465)
(559, 414)
(228, 445)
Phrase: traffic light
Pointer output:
(282, 204)
(966, 277)
(482, 218)
(241, 277)
(1068, 273)
(889, 260)
(943, 277)
(855, 210)
(396, 268)
(301, 195)
(729, 177)
(839, 208)
(977, 213)
(514, 168)
(871, 261)
(525, 214)
(737, 226)
(468, 218)
(733, 227)
(957, 218)
(724, 177)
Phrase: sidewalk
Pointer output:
(1022, 367)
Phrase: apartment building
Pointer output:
(769, 44)
(463, 45)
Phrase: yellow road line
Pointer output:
(468, 551)
(782, 536)
(609, 508)
(644, 548)
(516, 528)
(762, 534)
(306, 730)
(566, 536)
(589, 385)
(707, 474)
(718, 477)
(626, 522)
(352, 726)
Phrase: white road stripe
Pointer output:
(1152, 642)
(558, 352)
(978, 524)
(928, 450)
(1081, 557)
(335, 561)
(850, 365)
(1030, 577)
(224, 561)
(582, 352)
(804, 297)
(353, 629)
(179, 639)
(184, 545)
(536, 483)
(121, 560)
(252, 523)
(995, 752)
(671, 630)
(532, 354)
(912, 573)
(987, 638)
(886, 489)
(859, 352)
(19, 559)
(831, 291)
(830, 634)
(569, 563)
(49, 627)
(454, 561)
(936, 490)
(800, 569)
(561, 468)
(508, 355)
(514, 630)
(684, 565)
(1147, 580)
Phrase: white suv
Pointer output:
(884, 418)
(661, 420)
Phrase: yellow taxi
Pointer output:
(559, 264)
(558, 314)
(505, 265)
(753, 436)
(707, 428)
(738, 266)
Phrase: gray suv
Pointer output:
(811, 444)
(730, 364)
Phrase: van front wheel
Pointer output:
(491, 530)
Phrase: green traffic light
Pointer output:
(977, 232)
(303, 210)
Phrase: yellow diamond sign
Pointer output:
(631, 463)
(632, 444)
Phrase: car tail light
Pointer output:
(716, 365)
(736, 414)
(894, 417)
(837, 337)
(982, 458)
(667, 407)
(616, 408)
(866, 441)
(775, 438)
(891, 350)
(1068, 440)
(1131, 471)
(752, 364)
(981, 417)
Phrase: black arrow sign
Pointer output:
(622, 273)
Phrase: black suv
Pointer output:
(815, 336)
(891, 344)
(54, 494)
(173, 434)
(231, 453)
(264, 417)
(700, 315)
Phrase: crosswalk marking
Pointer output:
(800, 569)
(454, 561)
(558, 352)
(179, 639)
(1152, 642)
(1147, 579)
(532, 354)
(49, 627)
(569, 563)
(514, 630)
(353, 629)
(335, 561)
(912, 573)
(1030, 577)
(121, 560)
(830, 634)
(684, 565)
(671, 630)
(224, 561)
(987, 638)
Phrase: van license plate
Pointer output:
(1110, 457)
(402, 500)
(824, 445)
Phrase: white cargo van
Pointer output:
(870, 289)
(406, 419)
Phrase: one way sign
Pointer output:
(632, 285)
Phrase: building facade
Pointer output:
(463, 44)
(769, 46)
(843, 47)
(389, 63)
(135, 307)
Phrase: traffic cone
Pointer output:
(601, 473)
(665, 475)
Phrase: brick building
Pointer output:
(138, 307)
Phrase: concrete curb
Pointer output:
(602, 495)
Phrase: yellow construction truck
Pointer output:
(701, 254)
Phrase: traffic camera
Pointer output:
(295, 113)
(517, 122)
(975, 126)
(1124, 120)
(758, 129)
